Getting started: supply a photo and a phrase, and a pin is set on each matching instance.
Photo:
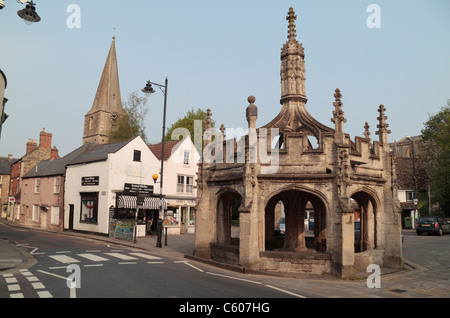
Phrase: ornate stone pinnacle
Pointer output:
(366, 130)
(208, 122)
(291, 18)
(338, 114)
(382, 126)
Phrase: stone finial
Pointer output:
(366, 130)
(252, 112)
(222, 130)
(383, 130)
(208, 122)
(338, 113)
(292, 28)
(382, 126)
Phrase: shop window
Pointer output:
(89, 207)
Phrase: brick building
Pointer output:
(34, 154)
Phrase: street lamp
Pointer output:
(148, 90)
(29, 14)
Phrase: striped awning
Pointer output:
(150, 203)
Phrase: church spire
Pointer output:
(108, 93)
(107, 103)
(292, 64)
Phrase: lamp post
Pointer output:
(3, 100)
(148, 90)
(414, 174)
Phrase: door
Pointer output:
(71, 212)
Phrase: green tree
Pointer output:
(188, 122)
(132, 124)
(436, 157)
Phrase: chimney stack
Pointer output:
(31, 145)
(54, 153)
(46, 139)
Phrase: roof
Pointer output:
(168, 147)
(405, 173)
(85, 154)
(53, 167)
(5, 165)
(94, 152)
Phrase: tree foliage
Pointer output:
(436, 158)
(132, 124)
(188, 122)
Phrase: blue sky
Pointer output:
(216, 54)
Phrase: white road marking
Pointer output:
(64, 259)
(122, 256)
(285, 291)
(236, 278)
(145, 256)
(94, 258)
(194, 267)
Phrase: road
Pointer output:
(113, 271)
(107, 270)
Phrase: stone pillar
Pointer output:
(248, 239)
(343, 256)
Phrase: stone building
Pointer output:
(332, 177)
(107, 104)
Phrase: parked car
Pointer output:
(432, 225)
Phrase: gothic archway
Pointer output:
(294, 239)
(228, 202)
(366, 220)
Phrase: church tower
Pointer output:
(107, 104)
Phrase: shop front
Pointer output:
(180, 216)
(143, 210)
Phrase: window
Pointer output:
(186, 157)
(137, 155)
(410, 196)
(35, 215)
(57, 185)
(89, 207)
(55, 215)
(180, 184)
(189, 184)
(37, 186)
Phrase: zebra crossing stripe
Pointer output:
(65, 259)
(122, 256)
(145, 256)
(94, 258)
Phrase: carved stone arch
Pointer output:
(225, 198)
(367, 218)
(295, 199)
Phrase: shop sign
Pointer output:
(90, 181)
(138, 188)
